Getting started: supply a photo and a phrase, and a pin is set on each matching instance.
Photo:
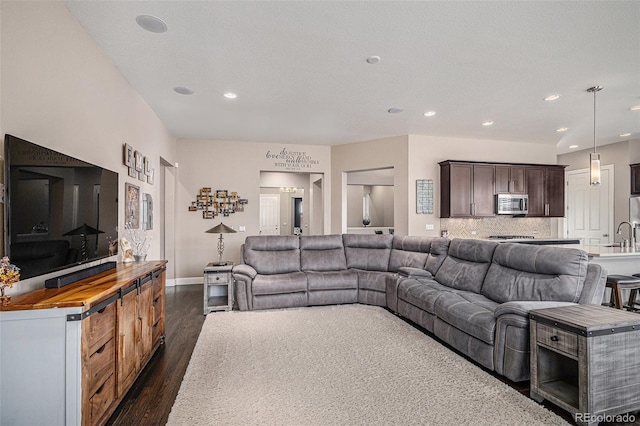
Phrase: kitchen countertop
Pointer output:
(599, 251)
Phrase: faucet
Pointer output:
(625, 243)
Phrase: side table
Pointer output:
(585, 359)
(216, 276)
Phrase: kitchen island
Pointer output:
(616, 260)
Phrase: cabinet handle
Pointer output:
(546, 209)
(99, 351)
(555, 338)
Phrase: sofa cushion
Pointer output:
(437, 254)
(279, 283)
(272, 254)
(367, 252)
(409, 252)
(322, 253)
(529, 273)
(421, 293)
(468, 312)
(331, 280)
(376, 281)
(466, 264)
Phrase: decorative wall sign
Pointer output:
(291, 160)
(424, 196)
(218, 202)
(138, 165)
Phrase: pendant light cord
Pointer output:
(594, 119)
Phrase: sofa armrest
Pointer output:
(247, 270)
(523, 308)
(243, 276)
(407, 271)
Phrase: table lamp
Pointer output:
(84, 230)
(221, 229)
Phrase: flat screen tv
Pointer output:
(59, 211)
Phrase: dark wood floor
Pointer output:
(151, 397)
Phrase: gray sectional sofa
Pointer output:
(474, 295)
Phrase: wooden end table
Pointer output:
(586, 360)
(215, 276)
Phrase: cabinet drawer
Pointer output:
(560, 340)
(216, 278)
(157, 332)
(158, 309)
(100, 366)
(101, 326)
(102, 399)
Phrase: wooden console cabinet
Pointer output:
(69, 355)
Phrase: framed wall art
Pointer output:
(132, 206)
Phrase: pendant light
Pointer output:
(594, 156)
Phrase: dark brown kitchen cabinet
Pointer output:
(545, 187)
(510, 180)
(483, 190)
(466, 189)
(635, 179)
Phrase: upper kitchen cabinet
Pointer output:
(466, 189)
(545, 187)
(635, 179)
(510, 180)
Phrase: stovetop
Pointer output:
(511, 237)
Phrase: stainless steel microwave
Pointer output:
(512, 204)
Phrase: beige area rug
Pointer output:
(338, 365)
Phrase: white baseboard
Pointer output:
(184, 281)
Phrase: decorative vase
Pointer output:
(139, 257)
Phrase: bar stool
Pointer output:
(623, 282)
(631, 305)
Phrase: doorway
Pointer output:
(269, 214)
(590, 207)
(291, 203)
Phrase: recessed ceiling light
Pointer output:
(562, 129)
(230, 95)
(373, 59)
(183, 90)
(151, 23)
(635, 108)
(573, 146)
(487, 123)
(395, 110)
(624, 135)
(552, 97)
(429, 113)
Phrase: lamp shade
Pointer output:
(84, 229)
(221, 229)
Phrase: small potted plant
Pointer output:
(9, 274)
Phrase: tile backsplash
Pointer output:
(538, 227)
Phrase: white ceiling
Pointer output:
(300, 71)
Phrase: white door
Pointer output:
(590, 208)
(269, 214)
